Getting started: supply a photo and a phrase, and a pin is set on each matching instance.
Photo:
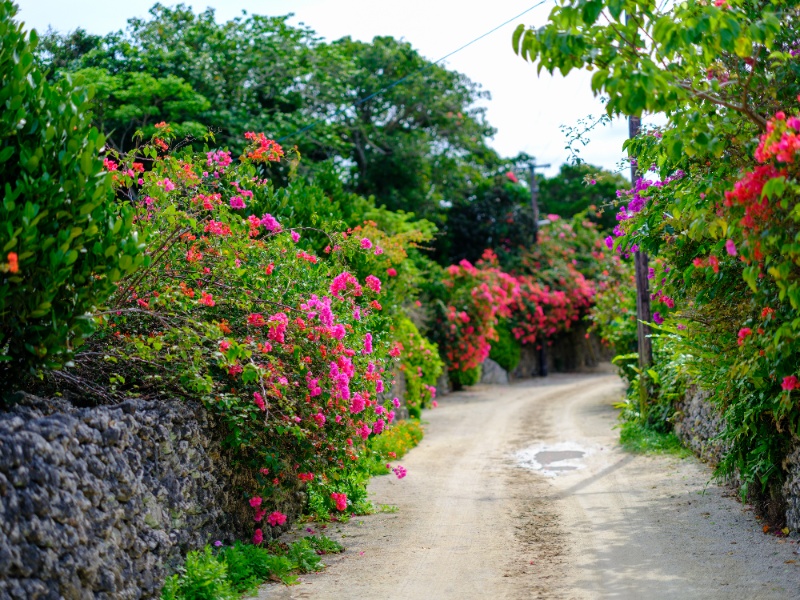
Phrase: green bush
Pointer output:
(239, 569)
(421, 364)
(506, 350)
(63, 239)
(461, 379)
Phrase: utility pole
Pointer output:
(642, 299)
(532, 166)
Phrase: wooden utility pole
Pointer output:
(535, 206)
(642, 299)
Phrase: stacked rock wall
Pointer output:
(104, 502)
(697, 423)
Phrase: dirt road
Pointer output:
(522, 492)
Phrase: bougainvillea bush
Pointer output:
(288, 348)
(715, 205)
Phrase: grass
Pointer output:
(234, 571)
(640, 439)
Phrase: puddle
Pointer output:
(552, 460)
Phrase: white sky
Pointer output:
(525, 109)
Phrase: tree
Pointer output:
(577, 187)
(414, 145)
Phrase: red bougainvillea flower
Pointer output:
(391, 272)
(258, 537)
(259, 400)
(13, 262)
(207, 299)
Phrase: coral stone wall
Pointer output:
(697, 422)
(103, 502)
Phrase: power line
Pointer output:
(404, 78)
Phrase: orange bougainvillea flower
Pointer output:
(13, 262)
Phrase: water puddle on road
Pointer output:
(552, 460)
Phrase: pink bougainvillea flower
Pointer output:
(511, 177)
(259, 400)
(730, 248)
(367, 344)
(255, 501)
(400, 471)
(270, 223)
(340, 500)
(258, 537)
(657, 318)
(396, 402)
(373, 283)
(391, 272)
(320, 419)
(236, 202)
(295, 236)
(276, 518)
(366, 243)
(743, 333)
(790, 383)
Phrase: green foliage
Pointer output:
(236, 571)
(203, 577)
(580, 187)
(421, 364)
(412, 146)
(465, 378)
(496, 213)
(506, 350)
(323, 544)
(393, 444)
(64, 242)
(640, 439)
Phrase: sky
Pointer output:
(526, 110)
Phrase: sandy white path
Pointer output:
(473, 524)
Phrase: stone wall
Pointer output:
(570, 351)
(104, 502)
(697, 422)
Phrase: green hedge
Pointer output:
(64, 240)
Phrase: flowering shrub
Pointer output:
(288, 348)
(729, 289)
(420, 363)
(477, 296)
(63, 241)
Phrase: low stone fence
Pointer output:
(697, 423)
(103, 502)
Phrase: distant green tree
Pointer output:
(416, 146)
(577, 187)
(496, 214)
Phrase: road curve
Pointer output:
(590, 522)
